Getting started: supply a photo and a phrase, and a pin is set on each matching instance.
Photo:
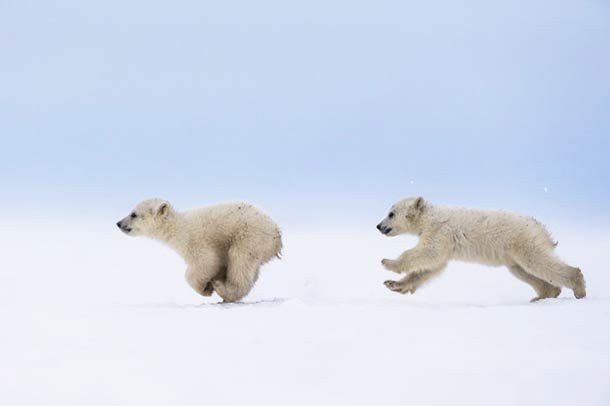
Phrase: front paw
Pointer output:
(390, 264)
(208, 290)
(398, 287)
(392, 285)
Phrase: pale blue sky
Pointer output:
(310, 108)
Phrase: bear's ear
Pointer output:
(419, 203)
(163, 209)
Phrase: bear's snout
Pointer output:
(383, 230)
(123, 228)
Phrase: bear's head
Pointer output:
(148, 218)
(404, 217)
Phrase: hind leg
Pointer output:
(543, 289)
(240, 280)
(413, 281)
(549, 268)
(242, 272)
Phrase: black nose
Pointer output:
(118, 224)
(379, 226)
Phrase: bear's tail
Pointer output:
(280, 245)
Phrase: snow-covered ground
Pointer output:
(92, 317)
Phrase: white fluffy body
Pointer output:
(223, 245)
(482, 236)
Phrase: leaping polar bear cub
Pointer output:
(487, 237)
(223, 245)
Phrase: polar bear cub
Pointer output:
(223, 245)
(487, 237)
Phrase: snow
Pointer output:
(92, 317)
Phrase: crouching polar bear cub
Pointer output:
(487, 237)
(223, 245)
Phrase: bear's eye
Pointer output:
(133, 215)
(391, 214)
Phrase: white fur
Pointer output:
(482, 236)
(223, 245)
